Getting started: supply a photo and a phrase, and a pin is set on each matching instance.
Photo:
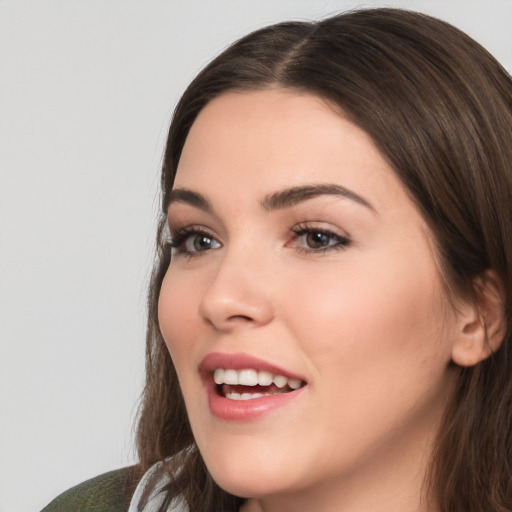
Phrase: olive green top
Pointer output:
(109, 492)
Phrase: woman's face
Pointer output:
(300, 260)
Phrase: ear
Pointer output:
(483, 324)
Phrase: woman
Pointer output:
(329, 315)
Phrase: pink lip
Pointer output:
(242, 410)
(240, 361)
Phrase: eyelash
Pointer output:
(178, 239)
(301, 230)
(181, 236)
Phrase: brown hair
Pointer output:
(439, 108)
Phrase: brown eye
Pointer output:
(192, 241)
(318, 239)
(198, 242)
(315, 240)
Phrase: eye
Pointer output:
(191, 241)
(197, 242)
(313, 239)
(318, 239)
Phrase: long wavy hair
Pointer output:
(439, 108)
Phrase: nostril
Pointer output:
(240, 317)
(230, 321)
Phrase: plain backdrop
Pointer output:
(87, 89)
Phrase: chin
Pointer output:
(247, 477)
(248, 486)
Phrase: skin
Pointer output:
(364, 320)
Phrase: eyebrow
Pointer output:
(187, 196)
(294, 195)
(275, 201)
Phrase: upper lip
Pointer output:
(241, 361)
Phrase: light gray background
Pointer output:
(86, 92)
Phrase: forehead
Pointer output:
(259, 141)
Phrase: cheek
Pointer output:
(389, 315)
(376, 348)
(177, 316)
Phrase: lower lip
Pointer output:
(247, 410)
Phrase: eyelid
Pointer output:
(343, 241)
(174, 229)
(323, 226)
(179, 236)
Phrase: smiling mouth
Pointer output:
(249, 384)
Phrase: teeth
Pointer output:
(264, 378)
(294, 383)
(280, 381)
(249, 377)
(218, 376)
(246, 396)
(231, 377)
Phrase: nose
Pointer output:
(239, 294)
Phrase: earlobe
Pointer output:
(483, 322)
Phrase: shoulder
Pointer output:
(109, 492)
